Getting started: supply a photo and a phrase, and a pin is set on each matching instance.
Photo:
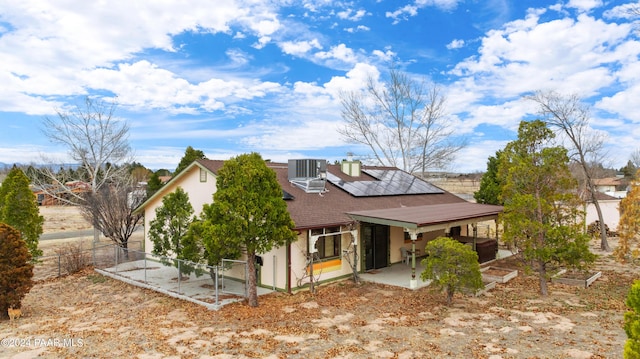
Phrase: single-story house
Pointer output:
(613, 186)
(54, 195)
(346, 215)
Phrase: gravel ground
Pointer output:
(87, 315)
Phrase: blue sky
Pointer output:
(229, 77)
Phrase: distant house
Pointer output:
(613, 186)
(345, 213)
(54, 195)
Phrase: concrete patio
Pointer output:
(195, 288)
(399, 274)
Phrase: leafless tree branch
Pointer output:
(570, 118)
(402, 122)
(96, 141)
(110, 210)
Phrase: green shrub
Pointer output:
(632, 323)
(452, 267)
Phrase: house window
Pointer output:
(328, 245)
(203, 175)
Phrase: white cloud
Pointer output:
(354, 80)
(340, 52)
(455, 44)
(410, 10)
(357, 28)
(73, 39)
(561, 54)
(310, 134)
(625, 11)
(474, 157)
(584, 5)
(352, 15)
(144, 85)
(299, 48)
(238, 57)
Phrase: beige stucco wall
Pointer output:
(341, 267)
(610, 212)
(199, 194)
(397, 240)
(274, 259)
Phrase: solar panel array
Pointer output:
(388, 183)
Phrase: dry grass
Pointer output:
(94, 316)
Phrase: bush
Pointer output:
(452, 266)
(72, 257)
(16, 269)
(632, 323)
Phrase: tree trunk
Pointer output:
(604, 243)
(252, 290)
(542, 277)
(450, 292)
(125, 249)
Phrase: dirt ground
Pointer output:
(90, 316)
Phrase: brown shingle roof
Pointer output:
(312, 210)
(427, 215)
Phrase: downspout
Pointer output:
(288, 268)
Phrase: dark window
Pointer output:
(328, 245)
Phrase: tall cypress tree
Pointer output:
(19, 209)
(490, 186)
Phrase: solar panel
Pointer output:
(387, 183)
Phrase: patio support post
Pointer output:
(475, 235)
(414, 236)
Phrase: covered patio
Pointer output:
(427, 219)
(398, 273)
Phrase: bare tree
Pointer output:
(571, 118)
(635, 158)
(97, 142)
(402, 122)
(110, 210)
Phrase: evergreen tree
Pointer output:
(171, 223)
(19, 209)
(542, 216)
(451, 266)
(190, 155)
(629, 170)
(490, 186)
(153, 184)
(16, 269)
(248, 213)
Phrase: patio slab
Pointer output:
(399, 274)
(164, 279)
